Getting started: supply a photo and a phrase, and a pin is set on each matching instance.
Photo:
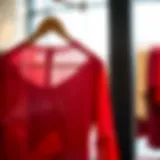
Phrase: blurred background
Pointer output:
(88, 21)
(145, 27)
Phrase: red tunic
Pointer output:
(39, 121)
(154, 98)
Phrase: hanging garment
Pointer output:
(154, 98)
(48, 107)
(141, 91)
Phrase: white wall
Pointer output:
(145, 24)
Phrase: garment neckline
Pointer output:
(82, 69)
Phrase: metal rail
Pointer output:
(29, 21)
(61, 7)
(65, 8)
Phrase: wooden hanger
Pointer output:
(50, 24)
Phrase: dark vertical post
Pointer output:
(121, 74)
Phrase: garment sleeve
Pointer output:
(107, 142)
(2, 104)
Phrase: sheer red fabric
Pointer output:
(45, 116)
